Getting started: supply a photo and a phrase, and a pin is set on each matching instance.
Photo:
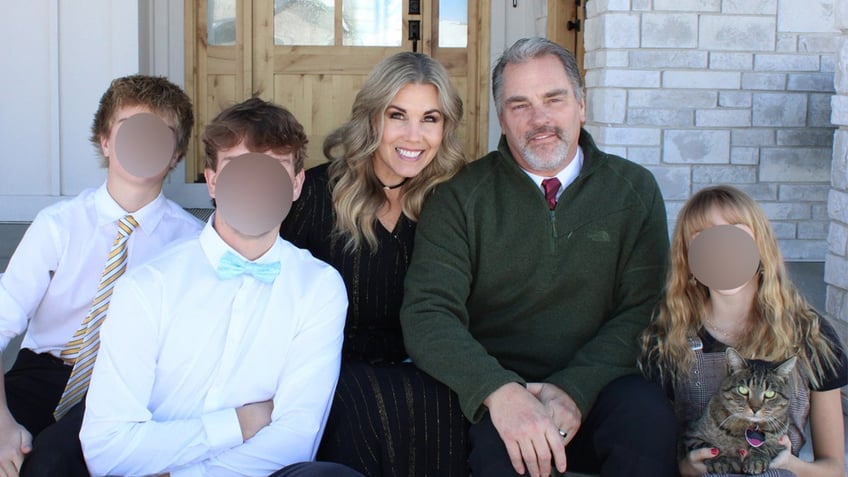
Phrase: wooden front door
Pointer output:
(565, 25)
(312, 56)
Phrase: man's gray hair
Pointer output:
(531, 48)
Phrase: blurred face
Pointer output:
(541, 116)
(130, 153)
(724, 256)
(413, 125)
(253, 191)
(226, 155)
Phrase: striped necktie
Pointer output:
(82, 348)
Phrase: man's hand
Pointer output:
(15, 443)
(562, 409)
(531, 437)
(253, 417)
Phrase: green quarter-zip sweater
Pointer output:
(500, 289)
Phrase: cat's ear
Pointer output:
(735, 361)
(785, 368)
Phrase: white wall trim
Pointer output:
(54, 128)
(24, 208)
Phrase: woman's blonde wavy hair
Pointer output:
(784, 323)
(357, 193)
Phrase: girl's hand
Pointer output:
(693, 464)
(781, 461)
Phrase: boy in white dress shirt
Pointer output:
(60, 265)
(221, 355)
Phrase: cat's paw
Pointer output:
(755, 464)
(723, 464)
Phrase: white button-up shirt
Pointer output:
(566, 176)
(54, 273)
(182, 349)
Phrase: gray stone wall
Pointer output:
(723, 91)
(836, 264)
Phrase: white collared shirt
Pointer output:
(54, 273)
(182, 349)
(565, 176)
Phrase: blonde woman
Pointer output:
(764, 318)
(358, 213)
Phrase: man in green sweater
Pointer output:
(534, 270)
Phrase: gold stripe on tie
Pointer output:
(85, 343)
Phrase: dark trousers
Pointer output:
(631, 430)
(34, 386)
(316, 469)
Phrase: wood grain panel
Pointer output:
(319, 83)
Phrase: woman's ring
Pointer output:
(562, 433)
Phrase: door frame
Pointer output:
(162, 52)
(253, 56)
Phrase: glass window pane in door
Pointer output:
(372, 23)
(453, 23)
(221, 22)
(304, 22)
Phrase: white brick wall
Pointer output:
(807, 15)
(667, 30)
(725, 91)
(836, 261)
(696, 146)
(736, 33)
(756, 7)
(735, 99)
(688, 5)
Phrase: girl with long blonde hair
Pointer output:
(766, 318)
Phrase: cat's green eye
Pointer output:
(743, 390)
(769, 394)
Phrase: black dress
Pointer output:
(388, 417)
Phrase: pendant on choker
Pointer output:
(391, 187)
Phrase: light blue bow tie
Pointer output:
(231, 265)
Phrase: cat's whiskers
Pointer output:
(775, 423)
(731, 416)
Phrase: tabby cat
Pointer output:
(745, 417)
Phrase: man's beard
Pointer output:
(551, 157)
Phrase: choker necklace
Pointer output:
(390, 187)
(725, 333)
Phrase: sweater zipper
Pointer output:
(553, 230)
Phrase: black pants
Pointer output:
(630, 431)
(34, 386)
(394, 420)
(57, 450)
(316, 469)
(65, 457)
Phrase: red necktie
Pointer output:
(551, 187)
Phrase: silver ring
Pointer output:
(562, 433)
